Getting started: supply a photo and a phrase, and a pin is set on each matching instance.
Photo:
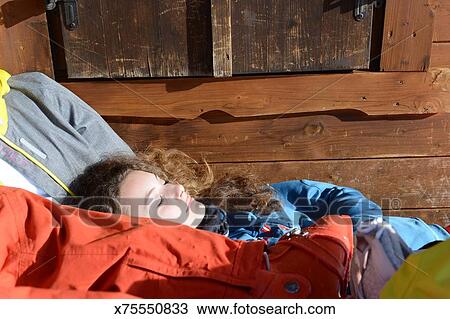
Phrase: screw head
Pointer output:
(360, 16)
(292, 287)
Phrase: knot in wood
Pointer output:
(313, 129)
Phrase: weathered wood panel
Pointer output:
(86, 48)
(221, 37)
(399, 183)
(408, 33)
(442, 20)
(24, 40)
(344, 42)
(153, 39)
(430, 216)
(297, 138)
(440, 55)
(298, 35)
(370, 92)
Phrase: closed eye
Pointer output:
(153, 200)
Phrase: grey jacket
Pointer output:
(57, 129)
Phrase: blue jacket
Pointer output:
(305, 201)
(415, 232)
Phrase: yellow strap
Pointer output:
(4, 89)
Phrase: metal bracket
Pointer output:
(361, 9)
(70, 11)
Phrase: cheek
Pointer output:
(175, 212)
(197, 208)
(178, 212)
(196, 214)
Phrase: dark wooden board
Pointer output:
(397, 183)
(298, 35)
(24, 40)
(373, 93)
(137, 38)
(408, 34)
(296, 138)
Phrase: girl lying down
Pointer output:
(170, 185)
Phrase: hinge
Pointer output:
(69, 9)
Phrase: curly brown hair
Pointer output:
(231, 191)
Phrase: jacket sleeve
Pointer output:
(64, 109)
(312, 200)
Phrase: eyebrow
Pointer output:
(159, 179)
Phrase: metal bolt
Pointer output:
(292, 287)
(359, 17)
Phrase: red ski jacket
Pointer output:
(53, 251)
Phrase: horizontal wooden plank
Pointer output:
(296, 138)
(440, 55)
(24, 39)
(442, 20)
(400, 183)
(430, 216)
(373, 93)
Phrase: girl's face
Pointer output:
(146, 195)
